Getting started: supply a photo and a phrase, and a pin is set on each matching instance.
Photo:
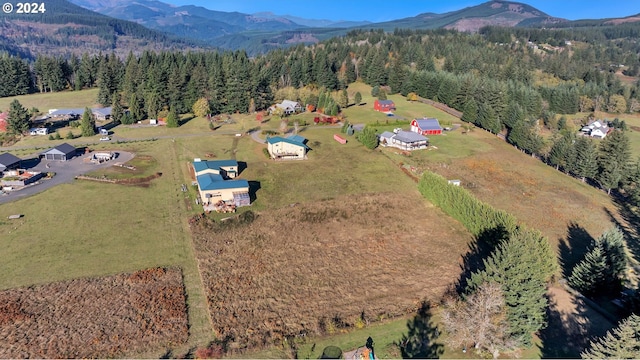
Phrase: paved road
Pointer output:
(66, 171)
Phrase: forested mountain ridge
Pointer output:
(65, 28)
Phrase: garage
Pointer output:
(62, 152)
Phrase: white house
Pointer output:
(39, 131)
(287, 148)
(288, 107)
(596, 129)
(404, 140)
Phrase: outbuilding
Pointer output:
(9, 161)
(62, 152)
(426, 126)
(287, 148)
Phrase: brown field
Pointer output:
(317, 268)
(94, 317)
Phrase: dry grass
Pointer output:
(94, 317)
(314, 268)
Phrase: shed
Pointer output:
(426, 126)
(61, 152)
(9, 161)
(384, 105)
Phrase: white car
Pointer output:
(105, 138)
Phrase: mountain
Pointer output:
(496, 13)
(191, 21)
(315, 23)
(66, 28)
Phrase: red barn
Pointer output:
(3, 121)
(384, 105)
(426, 126)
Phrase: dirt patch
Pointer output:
(572, 324)
(315, 268)
(94, 318)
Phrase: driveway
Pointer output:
(66, 171)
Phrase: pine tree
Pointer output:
(87, 125)
(623, 342)
(559, 153)
(17, 119)
(116, 109)
(470, 113)
(358, 98)
(522, 265)
(173, 119)
(589, 273)
(614, 157)
(344, 99)
(585, 164)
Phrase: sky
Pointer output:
(384, 10)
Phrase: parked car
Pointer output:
(105, 138)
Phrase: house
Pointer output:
(287, 148)
(426, 126)
(596, 129)
(61, 152)
(3, 121)
(66, 114)
(404, 140)
(39, 131)
(216, 183)
(384, 105)
(102, 114)
(9, 162)
(288, 107)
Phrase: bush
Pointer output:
(69, 135)
(265, 151)
(460, 204)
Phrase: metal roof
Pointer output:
(213, 164)
(61, 149)
(409, 136)
(429, 124)
(216, 182)
(277, 139)
(385, 102)
(8, 159)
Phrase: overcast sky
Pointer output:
(383, 10)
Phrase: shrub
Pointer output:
(265, 151)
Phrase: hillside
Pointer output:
(496, 13)
(66, 28)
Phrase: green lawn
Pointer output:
(46, 101)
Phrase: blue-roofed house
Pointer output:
(216, 184)
(293, 147)
(426, 126)
(404, 140)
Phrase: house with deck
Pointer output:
(426, 126)
(217, 185)
(403, 140)
(292, 147)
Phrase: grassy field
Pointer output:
(88, 229)
(46, 101)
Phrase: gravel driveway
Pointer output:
(66, 171)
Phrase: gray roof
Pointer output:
(409, 136)
(429, 124)
(8, 159)
(103, 111)
(62, 149)
(62, 112)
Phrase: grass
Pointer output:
(88, 229)
(46, 101)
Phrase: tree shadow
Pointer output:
(254, 186)
(631, 229)
(574, 247)
(479, 249)
(570, 329)
(186, 119)
(420, 340)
